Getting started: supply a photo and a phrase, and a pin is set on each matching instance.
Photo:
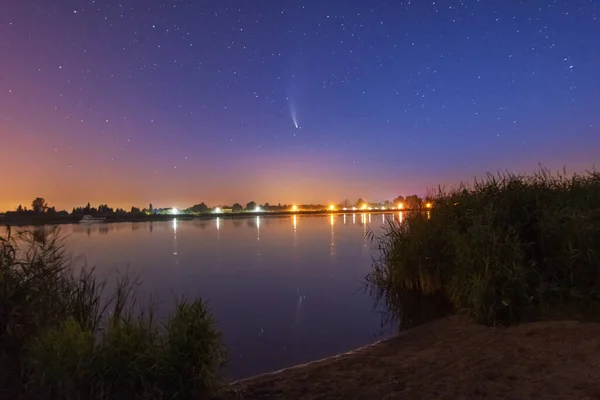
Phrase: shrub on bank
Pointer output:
(62, 337)
(503, 250)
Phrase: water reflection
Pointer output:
(175, 251)
(257, 227)
(295, 223)
(332, 237)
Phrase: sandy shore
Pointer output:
(451, 358)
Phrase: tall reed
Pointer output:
(505, 249)
(62, 336)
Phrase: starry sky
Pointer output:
(293, 101)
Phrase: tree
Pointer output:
(398, 200)
(251, 206)
(105, 209)
(413, 202)
(199, 208)
(151, 208)
(360, 203)
(135, 211)
(237, 207)
(20, 209)
(39, 205)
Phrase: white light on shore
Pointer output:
(218, 210)
(174, 211)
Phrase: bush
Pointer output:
(63, 337)
(504, 250)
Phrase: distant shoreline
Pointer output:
(37, 220)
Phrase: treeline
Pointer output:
(411, 202)
(40, 207)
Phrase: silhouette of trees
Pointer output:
(360, 202)
(398, 200)
(251, 206)
(237, 207)
(199, 208)
(105, 209)
(135, 211)
(39, 205)
(413, 202)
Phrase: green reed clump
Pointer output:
(506, 249)
(62, 336)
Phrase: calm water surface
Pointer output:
(284, 290)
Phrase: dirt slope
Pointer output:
(451, 359)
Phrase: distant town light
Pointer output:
(218, 210)
(364, 207)
(354, 208)
(428, 205)
(294, 208)
(257, 209)
(345, 208)
(332, 207)
(174, 211)
(400, 206)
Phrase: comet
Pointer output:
(293, 114)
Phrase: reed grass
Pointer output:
(506, 249)
(62, 336)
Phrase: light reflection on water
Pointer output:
(284, 290)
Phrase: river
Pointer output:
(284, 290)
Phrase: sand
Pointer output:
(451, 358)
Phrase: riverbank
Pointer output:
(451, 358)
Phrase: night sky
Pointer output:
(179, 102)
